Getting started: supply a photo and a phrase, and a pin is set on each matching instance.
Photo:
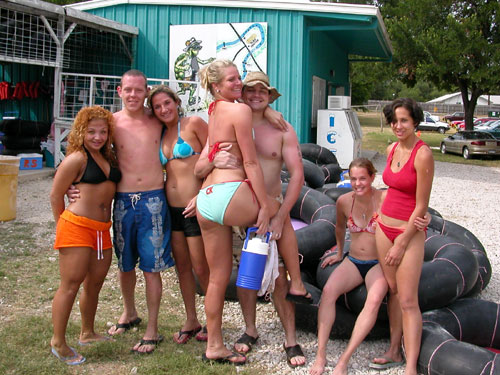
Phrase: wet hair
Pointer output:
(213, 73)
(134, 73)
(363, 163)
(168, 91)
(81, 125)
(410, 105)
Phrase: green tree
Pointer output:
(451, 43)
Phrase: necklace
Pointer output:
(398, 164)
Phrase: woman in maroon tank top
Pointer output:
(400, 247)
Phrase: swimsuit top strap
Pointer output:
(369, 228)
(211, 106)
(163, 158)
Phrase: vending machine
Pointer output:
(340, 132)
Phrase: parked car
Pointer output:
(430, 124)
(487, 125)
(428, 114)
(494, 130)
(460, 124)
(483, 120)
(454, 116)
(468, 143)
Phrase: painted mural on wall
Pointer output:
(193, 46)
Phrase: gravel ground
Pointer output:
(466, 195)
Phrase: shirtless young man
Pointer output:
(273, 148)
(141, 222)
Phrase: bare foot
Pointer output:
(340, 369)
(318, 366)
(90, 338)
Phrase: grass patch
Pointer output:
(29, 277)
(377, 140)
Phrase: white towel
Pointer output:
(271, 271)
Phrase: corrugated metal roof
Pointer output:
(298, 5)
(53, 10)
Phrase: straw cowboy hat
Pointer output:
(254, 78)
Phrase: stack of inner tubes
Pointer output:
(455, 266)
(319, 212)
(320, 166)
(455, 339)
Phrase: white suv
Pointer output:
(431, 124)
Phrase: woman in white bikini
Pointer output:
(231, 197)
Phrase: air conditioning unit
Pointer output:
(339, 102)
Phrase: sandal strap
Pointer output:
(152, 341)
(293, 351)
(247, 340)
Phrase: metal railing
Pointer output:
(84, 90)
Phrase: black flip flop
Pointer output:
(224, 360)
(127, 326)
(247, 340)
(188, 335)
(305, 299)
(292, 352)
(148, 342)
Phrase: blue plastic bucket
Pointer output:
(252, 261)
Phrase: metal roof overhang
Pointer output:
(363, 37)
(50, 10)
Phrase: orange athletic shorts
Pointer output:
(79, 231)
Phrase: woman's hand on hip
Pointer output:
(190, 209)
(394, 255)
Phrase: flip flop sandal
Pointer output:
(187, 335)
(202, 335)
(305, 299)
(72, 360)
(247, 340)
(126, 326)
(225, 360)
(292, 352)
(389, 363)
(148, 342)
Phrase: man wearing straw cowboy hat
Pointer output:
(273, 147)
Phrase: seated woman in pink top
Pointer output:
(358, 212)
